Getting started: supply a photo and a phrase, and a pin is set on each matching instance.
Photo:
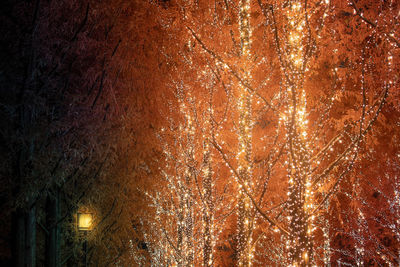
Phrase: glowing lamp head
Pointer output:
(85, 221)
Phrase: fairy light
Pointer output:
(395, 202)
(208, 209)
(326, 236)
(359, 243)
(300, 192)
(245, 142)
(298, 215)
(176, 212)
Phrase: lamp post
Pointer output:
(85, 221)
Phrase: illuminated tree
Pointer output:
(183, 222)
(314, 135)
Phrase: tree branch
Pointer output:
(246, 190)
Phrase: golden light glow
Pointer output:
(85, 221)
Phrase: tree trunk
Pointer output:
(179, 244)
(244, 223)
(31, 237)
(53, 237)
(19, 238)
(189, 233)
(208, 210)
(299, 167)
(299, 249)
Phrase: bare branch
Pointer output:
(246, 190)
(233, 71)
(356, 141)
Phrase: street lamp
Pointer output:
(85, 221)
(85, 224)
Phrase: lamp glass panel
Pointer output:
(84, 221)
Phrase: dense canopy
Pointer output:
(200, 133)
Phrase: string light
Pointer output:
(245, 142)
(300, 194)
(299, 214)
